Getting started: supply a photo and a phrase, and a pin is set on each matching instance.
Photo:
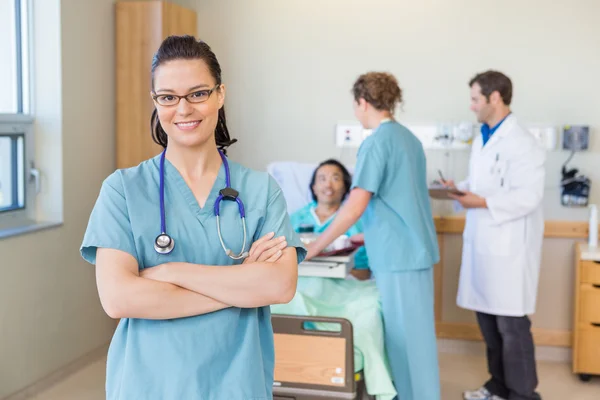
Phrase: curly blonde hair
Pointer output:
(380, 89)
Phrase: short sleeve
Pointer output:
(277, 220)
(296, 220)
(370, 167)
(302, 217)
(109, 225)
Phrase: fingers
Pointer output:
(275, 256)
(273, 250)
(270, 244)
(260, 241)
(449, 183)
(266, 248)
(357, 238)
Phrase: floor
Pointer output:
(458, 371)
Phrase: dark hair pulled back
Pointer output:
(188, 48)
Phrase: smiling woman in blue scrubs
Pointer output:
(195, 323)
(390, 188)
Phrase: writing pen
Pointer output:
(441, 176)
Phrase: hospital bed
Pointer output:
(314, 364)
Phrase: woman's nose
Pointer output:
(184, 107)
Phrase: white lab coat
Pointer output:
(502, 244)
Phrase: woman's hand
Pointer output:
(266, 249)
(359, 238)
(311, 251)
(361, 274)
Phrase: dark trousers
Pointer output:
(510, 356)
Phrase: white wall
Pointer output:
(289, 66)
(50, 314)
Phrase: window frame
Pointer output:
(22, 122)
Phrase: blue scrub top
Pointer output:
(226, 354)
(307, 216)
(399, 230)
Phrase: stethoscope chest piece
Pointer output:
(164, 244)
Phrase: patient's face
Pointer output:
(329, 185)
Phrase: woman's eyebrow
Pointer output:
(202, 86)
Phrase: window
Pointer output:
(17, 175)
(14, 60)
(12, 190)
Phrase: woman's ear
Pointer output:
(221, 95)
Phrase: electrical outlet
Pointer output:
(349, 135)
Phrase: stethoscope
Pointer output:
(164, 244)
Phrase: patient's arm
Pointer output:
(348, 215)
(361, 274)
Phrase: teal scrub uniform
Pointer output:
(402, 247)
(227, 354)
(306, 216)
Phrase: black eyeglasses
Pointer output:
(169, 100)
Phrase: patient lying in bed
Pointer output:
(354, 299)
(329, 186)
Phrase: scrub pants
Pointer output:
(407, 299)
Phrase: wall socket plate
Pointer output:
(576, 137)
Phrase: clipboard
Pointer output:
(346, 251)
(332, 266)
(441, 192)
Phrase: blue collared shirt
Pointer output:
(487, 132)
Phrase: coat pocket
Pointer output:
(498, 239)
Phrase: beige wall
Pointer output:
(290, 65)
(49, 309)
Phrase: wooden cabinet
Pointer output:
(586, 329)
(141, 26)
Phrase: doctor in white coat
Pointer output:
(502, 239)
